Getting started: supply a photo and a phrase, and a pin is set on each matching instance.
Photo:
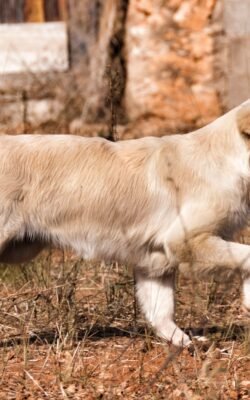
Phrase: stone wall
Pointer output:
(172, 60)
(237, 28)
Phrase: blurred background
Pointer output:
(123, 68)
(120, 69)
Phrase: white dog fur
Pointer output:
(153, 203)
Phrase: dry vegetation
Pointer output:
(72, 330)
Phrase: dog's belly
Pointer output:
(136, 245)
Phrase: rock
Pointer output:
(42, 111)
(170, 63)
(183, 13)
(149, 126)
(79, 127)
(194, 14)
(11, 114)
(245, 383)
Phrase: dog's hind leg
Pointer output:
(21, 251)
(156, 297)
(11, 228)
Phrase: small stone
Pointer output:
(245, 384)
(44, 110)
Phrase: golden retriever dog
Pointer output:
(152, 202)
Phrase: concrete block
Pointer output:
(33, 47)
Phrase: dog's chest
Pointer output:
(236, 218)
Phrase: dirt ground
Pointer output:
(72, 330)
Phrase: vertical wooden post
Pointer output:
(11, 11)
(34, 11)
(63, 10)
(51, 10)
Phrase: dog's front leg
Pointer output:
(246, 294)
(210, 252)
(207, 252)
(156, 297)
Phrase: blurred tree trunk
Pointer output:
(63, 9)
(100, 58)
(11, 11)
(51, 9)
(34, 10)
(107, 74)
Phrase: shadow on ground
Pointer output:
(96, 332)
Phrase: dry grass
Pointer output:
(71, 330)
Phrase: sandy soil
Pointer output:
(72, 330)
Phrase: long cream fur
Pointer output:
(152, 202)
